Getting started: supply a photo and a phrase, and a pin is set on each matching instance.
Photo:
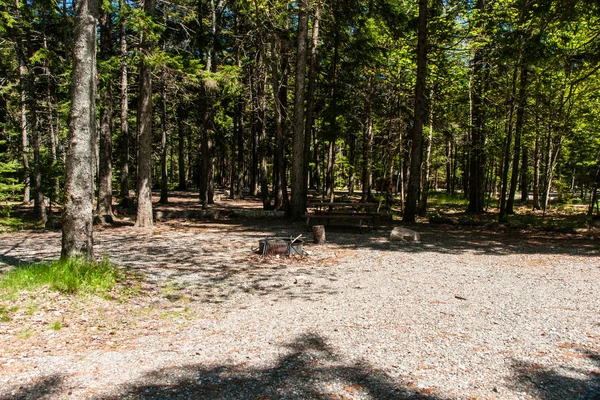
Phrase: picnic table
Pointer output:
(363, 213)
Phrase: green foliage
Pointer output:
(71, 276)
(9, 183)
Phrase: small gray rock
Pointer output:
(400, 234)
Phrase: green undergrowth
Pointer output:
(11, 223)
(75, 276)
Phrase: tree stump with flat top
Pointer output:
(318, 234)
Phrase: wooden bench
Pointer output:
(364, 219)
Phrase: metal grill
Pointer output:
(280, 246)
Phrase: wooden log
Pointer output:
(318, 234)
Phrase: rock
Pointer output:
(400, 234)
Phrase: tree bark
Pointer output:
(104, 207)
(164, 178)
(518, 130)
(181, 115)
(124, 189)
(477, 159)
(425, 178)
(298, 195)
(367, 154)
(261, 127)
(309, 130)
(77, 220)
(506, 157)
(410, 212)
(24, 135)
(144, 216)
(279, 83)
(39, 204)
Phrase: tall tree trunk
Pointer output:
(261, 127)
(24, 134)
(77, 220)
(595, 186)
(53, 142)
(331, 153)
(104, 207)
(164, 177)
(524, 174)
(507, 146)
(425, 178)
(206, 149)
(298, 195)
(518, 130)
(477, 159)
(309, 130)
(279, 83)
(537, 163)
(449, 163)
(332, 133)
(181, 115)
(39, 204)
(351, 163)
(144, 176)
(240, 147)
(410, 212)
(367, 154)
(125, 139)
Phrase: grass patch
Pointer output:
(5, 314)
(71, 276)
(25, 334)
(56, 326)
(446, 200)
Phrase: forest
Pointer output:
(104, 101)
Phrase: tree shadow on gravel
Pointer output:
(46, 387)
(311, 370)
(552, 384)
(472, 240)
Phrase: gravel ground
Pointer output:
(465, 314)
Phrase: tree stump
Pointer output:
(318, 234)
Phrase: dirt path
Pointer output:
(463, 315)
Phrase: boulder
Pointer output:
(400, 234)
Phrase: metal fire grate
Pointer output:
(280, 246)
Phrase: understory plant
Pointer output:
(66, 276)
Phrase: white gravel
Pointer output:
(463, 315)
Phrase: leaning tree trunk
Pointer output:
(77, 221)
(104, 207)
(298, 197)
(410, 212)
(144, 178)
